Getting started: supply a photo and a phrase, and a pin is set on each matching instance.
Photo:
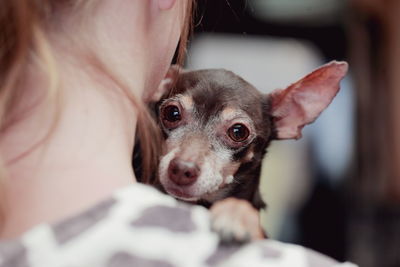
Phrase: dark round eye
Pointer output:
(171, 113)
(238, 132)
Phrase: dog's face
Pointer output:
(211, 126)
(215, 122)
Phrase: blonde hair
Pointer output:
(22, 35)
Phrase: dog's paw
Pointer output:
(236, 220)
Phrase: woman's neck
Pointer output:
(77, 161)
(86, 155)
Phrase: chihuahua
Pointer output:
(217, 127)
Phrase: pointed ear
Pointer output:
(302, 102)
(167, 83)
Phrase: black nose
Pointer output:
(183, 172)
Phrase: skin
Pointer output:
(88, 154)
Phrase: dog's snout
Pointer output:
(183, 172)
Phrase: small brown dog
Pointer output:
(217, 128)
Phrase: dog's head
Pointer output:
(214, 122)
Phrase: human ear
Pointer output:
(165, 4)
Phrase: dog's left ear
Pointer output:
(302, 102)
(167, 83)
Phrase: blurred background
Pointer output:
(337, 190)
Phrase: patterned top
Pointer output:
(139, 226)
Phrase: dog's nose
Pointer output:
(183, 172)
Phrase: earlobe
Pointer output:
(166, 4)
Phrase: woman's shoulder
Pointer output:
(138, 226)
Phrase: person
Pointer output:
(74, 78)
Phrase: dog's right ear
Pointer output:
(167, 83)
(302, 102)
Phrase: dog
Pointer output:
(217, 128)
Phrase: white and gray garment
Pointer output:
(139, 226)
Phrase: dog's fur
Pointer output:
(201, 162)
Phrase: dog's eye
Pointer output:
(238, 132)
(171, 114)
